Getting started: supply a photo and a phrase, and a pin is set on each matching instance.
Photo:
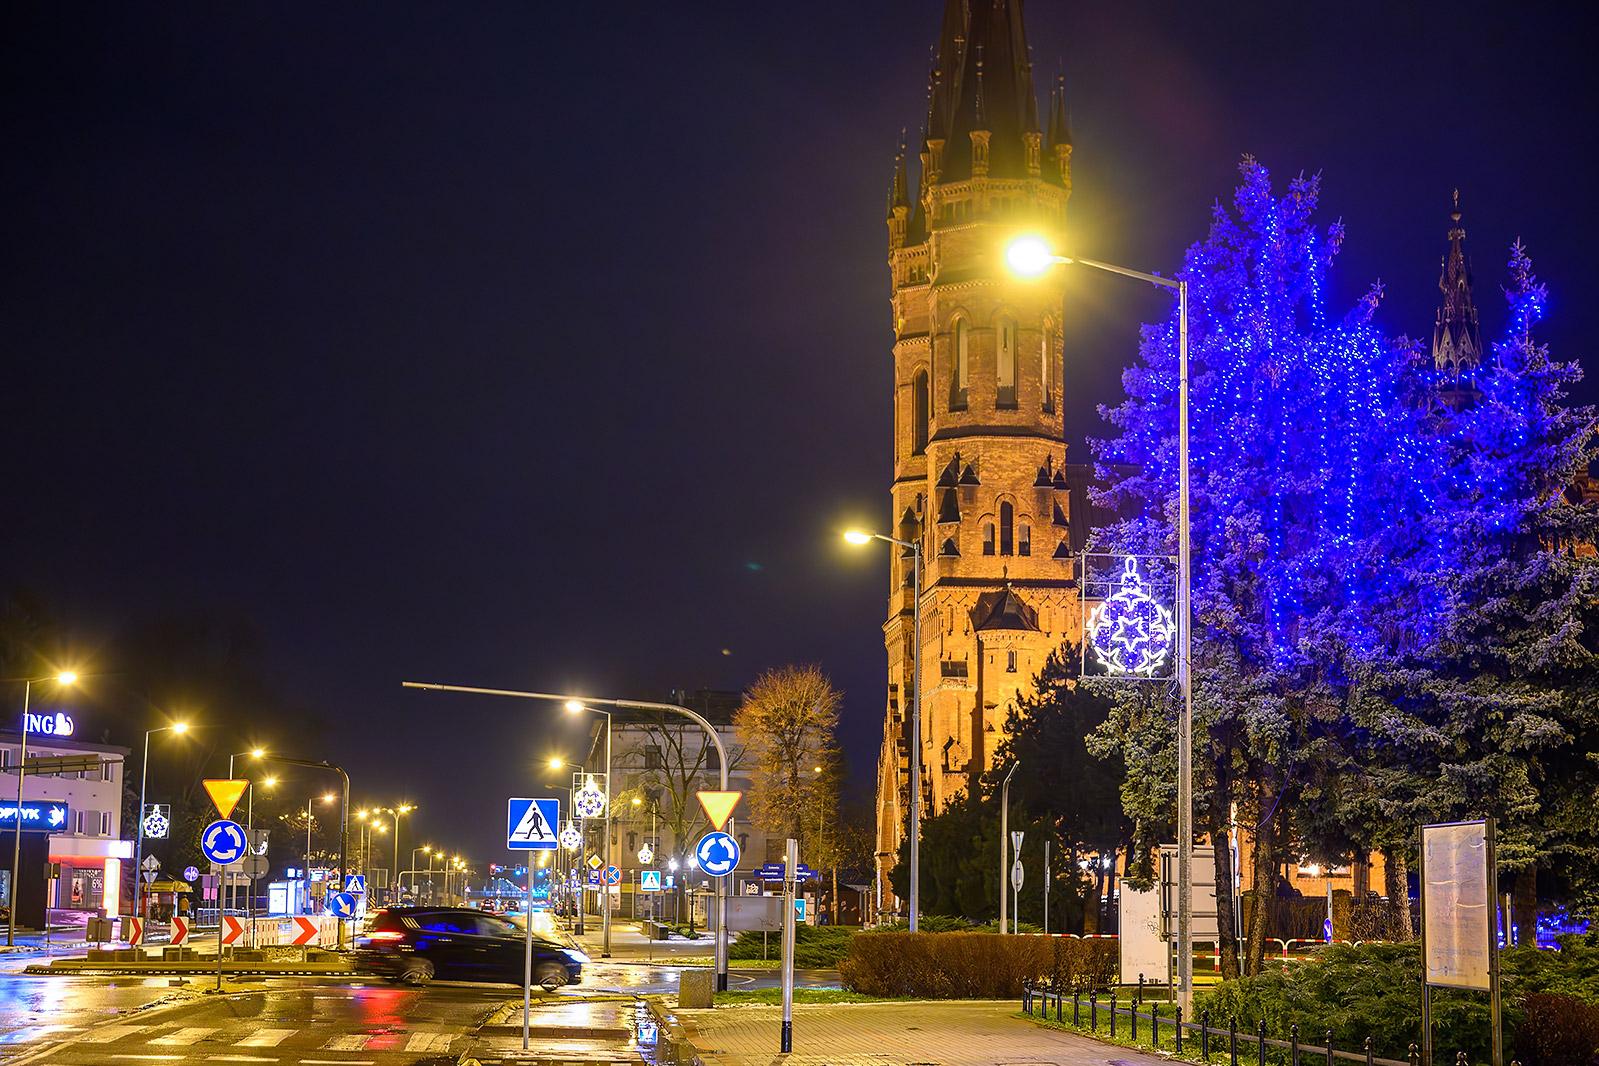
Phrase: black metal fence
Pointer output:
(1136, 1020)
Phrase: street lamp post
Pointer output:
(64, 678)
(574, 706)
(395, 813)
(859, 537)
(559, 763)
(1030, 255)
(632, 705)
(344, 817)
(1004, 837)
(138, 848)
(249, 834)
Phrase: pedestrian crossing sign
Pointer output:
(530, 824)
(649, 880)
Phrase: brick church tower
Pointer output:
(979, 455)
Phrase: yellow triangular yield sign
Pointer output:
(225, 793)
(719, 806)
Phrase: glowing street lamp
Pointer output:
(64, 679)
(179, 728)
(1031, 256)
(861, 537)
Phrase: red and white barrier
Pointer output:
(305, 930)
(133, 931)
(180, 931)
(232, 929)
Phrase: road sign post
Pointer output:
(527, 951)
(531, 824)
(1016, 881)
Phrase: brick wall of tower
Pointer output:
(969, 685)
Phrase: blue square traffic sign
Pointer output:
(530, 824)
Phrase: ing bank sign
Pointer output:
(51, 725)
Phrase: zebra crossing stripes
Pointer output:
(185, 1036)
(266, 1038)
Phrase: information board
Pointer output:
(1457, 905)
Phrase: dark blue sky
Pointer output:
(547, 344)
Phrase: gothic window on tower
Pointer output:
(1007, 525)
(919, 414)
(1010, 662)
(1024, 539)
(1050, 356)
(1007, 363)
(959, 381)
(988, 538)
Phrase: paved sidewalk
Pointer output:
(956, 1033)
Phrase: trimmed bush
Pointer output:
(816, 947)
(1559, 1031)
(1375, 990)
(972, 965)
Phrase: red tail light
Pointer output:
(385, 934)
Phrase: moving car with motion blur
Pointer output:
(417, 944)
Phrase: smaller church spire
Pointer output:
(1456, 337)
(899, 189)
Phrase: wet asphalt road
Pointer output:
(99, 1021)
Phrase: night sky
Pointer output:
(547, 345)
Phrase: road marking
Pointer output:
(266, 1038)
(148, 1058)
(429, 1041)
(238, 1058)
(337, 1062)
(29, 1033)
(185, 1036)
(113, 1032)
(347, 1042)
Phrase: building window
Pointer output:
(1050, 357)
(105, 823)
(1010, 662)
(105, 769)
(988, 538)
(919, 414)
(1024, 540)
(1007, 524)
(961, 372)
(5, 758)
(652, 758)
(1006, 375)
(78, 822)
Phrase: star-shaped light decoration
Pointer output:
(589, 802)
(1130, 633)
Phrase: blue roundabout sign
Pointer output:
(717, 854)
(223, 842)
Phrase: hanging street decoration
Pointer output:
(157, 820)
(571, 837)
(1129, 633)
(589, 801)
(646, 854)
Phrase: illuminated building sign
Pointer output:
(1130, 633)
(52, 725)
(43, 816)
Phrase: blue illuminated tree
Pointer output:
(1295, 476)
(1491, 706)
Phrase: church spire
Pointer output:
(1456, 338)
(983, 82)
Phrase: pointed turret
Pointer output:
(1456, 337)
(899, 205)
(984, 84)
(1060, 134)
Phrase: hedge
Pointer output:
(815, 946)
(1375, 990)
(972, 965)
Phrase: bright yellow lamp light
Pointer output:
(1030, 256)
(855, 536)
(557, 763)
(269, 782)
(180, 727)
(637, 802)
(67, 677)
(328, 797)
(256, 753)
(573, 706)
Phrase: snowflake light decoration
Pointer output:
(589, 802)
(156, 822)
(571, 837)
(1130, 633)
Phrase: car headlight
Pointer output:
(575, 955)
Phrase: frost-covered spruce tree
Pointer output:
(1293, 413)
